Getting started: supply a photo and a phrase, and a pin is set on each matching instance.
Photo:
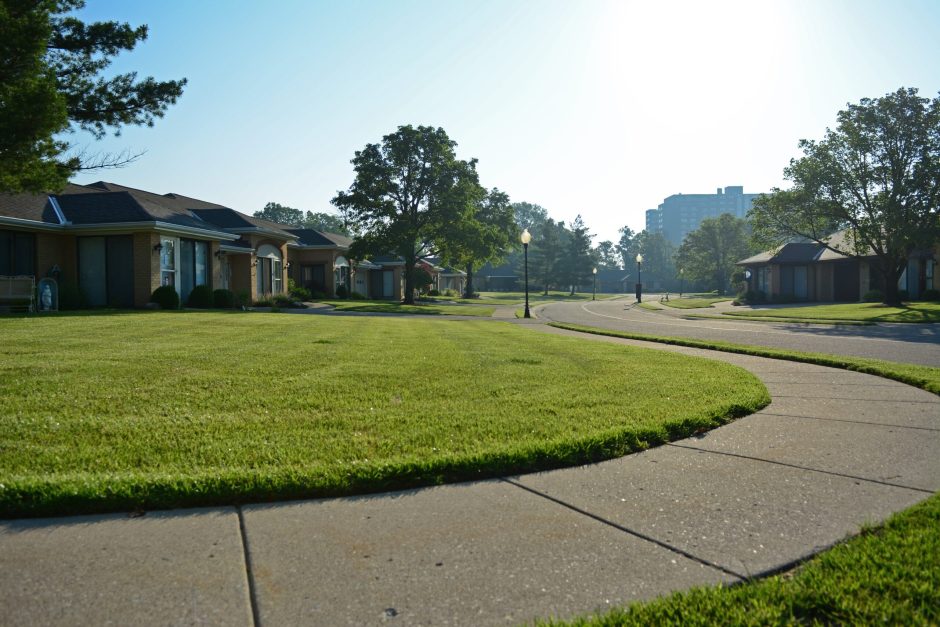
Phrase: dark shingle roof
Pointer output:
(311, 237)
(35, 207)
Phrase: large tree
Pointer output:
(876, 176)
(546, 254)
(276, 212)
(316, 220)
(626, 247)
(709, 253)
(531, 217)
(408, 192)
(577, 258)
(486, 234)
(606, 255)
(52, 82)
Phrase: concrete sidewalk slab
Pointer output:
(163, 568)
(920, 414)
(469, 554)
(748, 516)
(895, 455)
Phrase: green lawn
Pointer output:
(167, 409)
(694, 303)
(430, 309)
(864, 312)
(649, 306)
(924, 377)
(888, 575)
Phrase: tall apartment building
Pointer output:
(681, 214)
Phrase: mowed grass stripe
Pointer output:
(165, 409)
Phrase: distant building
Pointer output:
(680, 214)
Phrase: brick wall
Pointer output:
(146, 267)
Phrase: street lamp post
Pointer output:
(594, 295)
(681, 285)
(525, 238)
(639, 278)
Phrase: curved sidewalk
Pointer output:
(833, 451)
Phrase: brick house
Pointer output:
(117, 244)
(807, 271)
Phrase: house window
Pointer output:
(269, 271)
(277, 276)
(193, 266)
(17, 253)
(340, 272)
(168, 261)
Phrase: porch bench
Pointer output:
(17, 293)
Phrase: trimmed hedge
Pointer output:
(166, 297)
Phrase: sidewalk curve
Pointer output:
(834, 450)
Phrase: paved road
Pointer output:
(834, 450)
(909, 343)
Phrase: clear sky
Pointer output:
(591, 107)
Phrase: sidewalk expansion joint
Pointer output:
(249, 571)
(798, 467)
(636, 534)
(857, 422)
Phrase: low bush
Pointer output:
(264, 302)
(200, 297)
(317, 295)
(341, 291)
(223, 299)
(298, 292)
(751, 297)
(166, 297)
(873, 296)
(283, 300)
(356, 296)
(933, 295)
(434, 293)
(242, 298)
(451, 293)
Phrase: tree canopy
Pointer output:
(51, 82)
(485, 234)
(876, 176)
(709, 253)
(316, 220)
(577, 258)
(408, 193)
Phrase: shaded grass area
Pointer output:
(514, 298)
(886, 575)
(923, 377)
(857, 323)
(171, 409)
(649, 306)
(430, 309)
(864, 312)
(694, 303)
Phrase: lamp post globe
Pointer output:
(525, 238)
(639, 278)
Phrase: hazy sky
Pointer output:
(591, 107)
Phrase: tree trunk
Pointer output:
(468, 288)
(409, 281)
(890, 275)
